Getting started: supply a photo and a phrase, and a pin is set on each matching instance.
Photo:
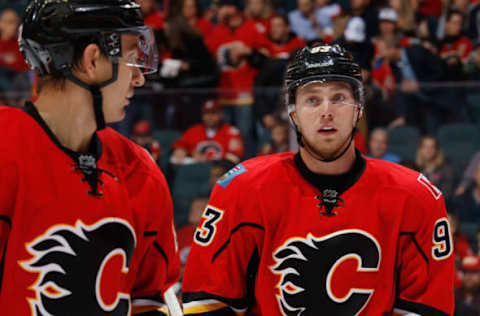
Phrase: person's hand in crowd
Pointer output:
(238, 51)
(179, 155)
(267, 149)
(409, 86)
(199, 157)
(459, 191)
(400, 121)
(268, 120)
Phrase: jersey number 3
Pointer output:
(208, 227)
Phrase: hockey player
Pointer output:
(325, 231)
(85, 214)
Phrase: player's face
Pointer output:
(189, 9)
(428, 149)
(471, 280)
(278, 29)
(212, 119)
(280, 135)
(326, 114)
(387, 27)
(116, 96)
(378, 144)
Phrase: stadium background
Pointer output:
(420, 62)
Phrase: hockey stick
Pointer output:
(170, 298)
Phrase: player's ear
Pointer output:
(89, 62)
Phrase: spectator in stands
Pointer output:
(218, 169)
(260, 11)
(473, 25)
(279, 141)
(329, 8)
(240, 50)
(426, 107)
(142, 135)
(406, 15)
(268, 100)
(10, 56)
(185, 233)
(355, 40)
(467, 205)
(461, 247)
(430, 8)
(310, 24)
(468, 10)
(467, 298)
(455, 47)
(187, 64)
(388, 30)
(468, 175)
(192, 12)
(460, 241)
(430, 161)
(210, 140)
(211, 12)
(152, 15)
(12, 64)
(366, 10)
(472, 67)
(378, 146)
(283, 41)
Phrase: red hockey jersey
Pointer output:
(66, 252)
(226, 144)
(263, 247)
(236, 82)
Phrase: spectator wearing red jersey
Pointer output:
(240, 50)
(210, 140)
(152, 15)
(142, 135)
(431, 8)
(282, 44)
(460, 241)
(10, 56)
(192, 12)
(455, 47)
(12, 65)
(260, 11)
(283, 41)
(467, 298)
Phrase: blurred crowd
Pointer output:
(217, 97)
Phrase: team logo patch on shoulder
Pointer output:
(225, 180)
(433, 189)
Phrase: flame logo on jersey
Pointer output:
(308, 265)
(79, 269)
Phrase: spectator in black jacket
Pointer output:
(420, 100)
(189, 66)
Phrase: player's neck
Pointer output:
(69, 115)
(339, 166)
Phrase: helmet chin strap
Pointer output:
(96, 93)
(308, 148)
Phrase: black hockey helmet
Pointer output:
(322, 63)
(51, 29)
